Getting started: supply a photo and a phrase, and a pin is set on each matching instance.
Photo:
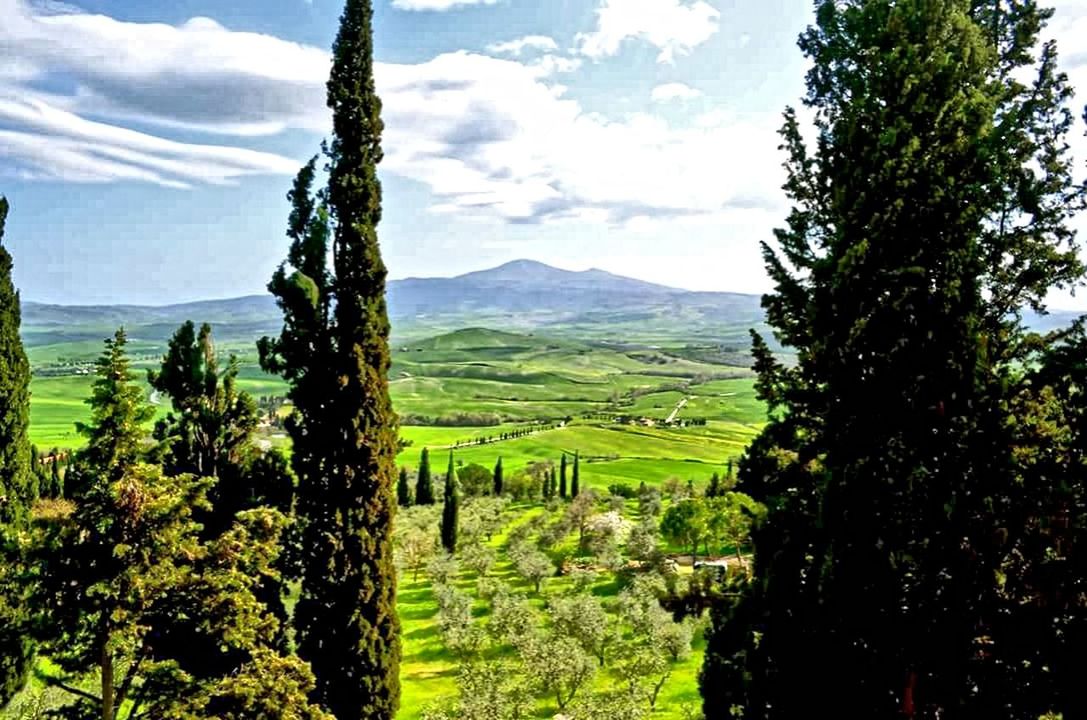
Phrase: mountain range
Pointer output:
(522, 295)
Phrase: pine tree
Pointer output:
(403, 489)
(575, 481)
(17, 479)
(119, 410)
(498, 477)
(334, 351)
(933, 209)
(424, 484)
(450, 509)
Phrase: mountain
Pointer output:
(522, 295)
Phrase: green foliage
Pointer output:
(562, 477)
(575, 480)
(167, 625)
(119, 409)
(932, 208)
(450, 508)
(403, 489)
(18, 485)
(475, 480)
(424, 485)
(498, 485)
(215, 420)
(334, 351)
(687, 523)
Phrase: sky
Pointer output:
(146, 147)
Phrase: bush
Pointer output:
(623, 490)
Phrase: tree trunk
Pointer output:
(106, 665)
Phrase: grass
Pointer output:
(524, 379)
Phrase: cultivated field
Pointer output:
(568, 394)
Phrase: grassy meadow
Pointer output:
(566, 392)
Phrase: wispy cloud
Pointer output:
(438, 5)
(674, 91)
(675, 27)
(518, 46)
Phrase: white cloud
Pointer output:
(492, 138)
(55, 144)
(518, 46)
(438, 5)
(674, 91)
(675, 27)
(198, 75)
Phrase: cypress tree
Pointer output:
(715, 486)
(562, 477)
(424, 484)
(575, 478)
(56, 483)
(17, 479)
(932, 209)
(498, 477)
(450, 509)
(403, 490)
(334, 351)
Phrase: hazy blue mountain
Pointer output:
(520, 295)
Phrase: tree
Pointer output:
(579, 512)
(474, 480)
(120, 575)
(56, 483)
(575, 483)
(17, 486)
(403, 489)
(334, 352)
(533, 565)
(498, 488)
(214, 420)
(557, 666)
(450, 509)
(686, 523)
(583, 618)
(424, 486)
(562, 477)
(932, 209)
(119, 410)
(416, 549)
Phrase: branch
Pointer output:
(58, 683)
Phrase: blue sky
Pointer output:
(146, 146)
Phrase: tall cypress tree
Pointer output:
(575, 477)
(17, 485)
(450, 510)
(403, 489)
(334, 350)
(933, 209)
(17, 480)
(498, 480)
(562, 477)
(424, 484)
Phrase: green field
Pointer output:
(567, 393)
